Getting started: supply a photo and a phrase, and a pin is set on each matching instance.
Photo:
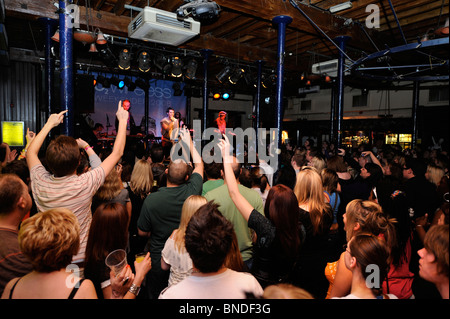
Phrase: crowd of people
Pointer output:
(360, 223)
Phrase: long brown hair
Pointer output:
(108, 232)
(281, 209)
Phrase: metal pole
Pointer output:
(49, 63)
(416, 91)
(282, 22)
(341, 41)
(258, 97)
(206, 54)
(66, 68)
(333, 114)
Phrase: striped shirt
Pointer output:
(73, 192)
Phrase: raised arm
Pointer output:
(34, 147)
(241, 203)
(373, 158)
(119, 144)
(196, 157)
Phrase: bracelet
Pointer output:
(134, 289)
(87, 147)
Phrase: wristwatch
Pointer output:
(134, 289)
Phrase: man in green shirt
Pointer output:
(221, 196)
(161, 212)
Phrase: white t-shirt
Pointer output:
(227, 285)
(180, 262)
(351, 296)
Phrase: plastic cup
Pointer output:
(140, 257)
(117, 260)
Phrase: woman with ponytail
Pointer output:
(361, 216)
(366, 257)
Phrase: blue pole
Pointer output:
(282, 22)
(341, 41)
(66, 68)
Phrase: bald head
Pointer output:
(177, 172)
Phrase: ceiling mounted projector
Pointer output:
(204, 11)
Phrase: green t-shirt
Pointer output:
(221, 197)
(161, 213)
(210, 185)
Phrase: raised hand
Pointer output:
(121, 113)
(56, 118)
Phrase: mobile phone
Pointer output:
(126, 105)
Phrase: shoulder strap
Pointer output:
(13, 287)
(75, 289)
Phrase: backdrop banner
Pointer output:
(161, 96)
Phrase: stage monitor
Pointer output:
(13, 133)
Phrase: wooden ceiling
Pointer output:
(244, 31)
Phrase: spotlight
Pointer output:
(107, 56)
(191, 69)
(236, 75)
(93, 48)
(144, 61)
(121, 84)
(177, 67)
(129, 83)
(223, 75)
(225, 96)
(55, 36)
(114, 81)
(100, 38)
(216, 96)
(142, 84)
(106, 83)
(124, 59)
(205, 11)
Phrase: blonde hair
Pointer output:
(435, 174)
(141, 181)
(309, 191)
(110, 188)
(190, 206)
(50, 239)
(318, 163)
(371, 219)
(285, 291)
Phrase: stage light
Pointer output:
(55, 37)
(107, 56)
(225, 96)
(177, 91)
(236, 75)
(144, 61)
(129, 83)
(142, 84)
(100, 38)
(216, 96)
(124, 59)
(121, 84)
(191, 69)
(93, 48)
(114, 81)
(177, 67)
(223, 75)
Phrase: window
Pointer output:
(305, 105)
(359, 100)
(438, 94)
